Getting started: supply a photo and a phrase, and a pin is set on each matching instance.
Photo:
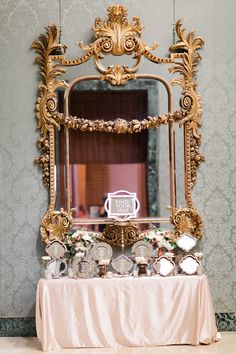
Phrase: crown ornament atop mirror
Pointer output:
(116, 36)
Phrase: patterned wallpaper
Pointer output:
(23, 199)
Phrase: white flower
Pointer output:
(160, 243)
(46, 258)
(76, 233)
(86, 237)
(165, 244)
(80, 246)
(169, 254)
(151, 235)
(79, 255)
(159, 237)
(104, 261)
(69, 242)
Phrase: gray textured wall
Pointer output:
(23, 199)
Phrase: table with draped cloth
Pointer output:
(124, 312)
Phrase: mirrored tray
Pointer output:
(55, 249)
(142, 249)
(55, 268)
(84, 268)
(189, 265)
(164, 266)
(186, 242)
(100, 251)
(122, 264)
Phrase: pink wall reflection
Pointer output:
(91, 182)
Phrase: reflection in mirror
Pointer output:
(162, 171)
(179, 153)
(106, 162)
(179, 166)
(102, 163)
(60, 168)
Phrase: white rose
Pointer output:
(86, 237)
(76, 233)
(46, 258)
(79, 246)
(159, 237)
(69, 242)
(151, 235)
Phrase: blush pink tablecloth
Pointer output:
(124, 312)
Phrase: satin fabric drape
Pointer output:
(124, 312)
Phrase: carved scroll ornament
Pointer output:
(54, 225)
(116, 36)
(186, 220)
(190, 102)
(122, 235)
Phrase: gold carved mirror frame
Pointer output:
(118, 36)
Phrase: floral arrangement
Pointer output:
(160, 239)
(80, 241)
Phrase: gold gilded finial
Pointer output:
(116, 35)
(117, 13)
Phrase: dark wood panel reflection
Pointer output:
(94, 155)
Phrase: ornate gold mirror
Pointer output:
(119, 129)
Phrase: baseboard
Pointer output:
(25, 326)
(17, 327)
(226, 321)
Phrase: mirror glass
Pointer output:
(106, 162)
(186, 242)
(179, 166)
(164, 266)
(55, 268)
(189, 265)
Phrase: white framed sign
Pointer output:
(122, 205)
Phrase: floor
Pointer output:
(31, 346)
